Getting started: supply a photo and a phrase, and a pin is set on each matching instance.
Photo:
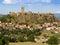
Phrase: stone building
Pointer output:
(22, 15)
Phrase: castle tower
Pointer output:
(22, 10)
(22, 15)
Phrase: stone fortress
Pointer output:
(29, 17)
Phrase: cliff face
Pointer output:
(30, 18)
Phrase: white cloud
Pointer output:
(7, 1)
(57, 11)
(46, 1)
(10, 1)
(24, 1)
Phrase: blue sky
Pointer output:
(42, 6)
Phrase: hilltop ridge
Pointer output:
(28, 17)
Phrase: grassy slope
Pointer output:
(27, 43)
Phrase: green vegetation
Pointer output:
(33, 18)
(53, 41)
(21, 38)
(31, 38)
(4, 40)
(21, 35)
(25, 34)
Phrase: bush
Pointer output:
(4, 40)
(52, 41)
(13, 39)
(21, 38)
(31, 38)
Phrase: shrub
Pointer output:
(52, 41)
(21, 38)
(31, 38)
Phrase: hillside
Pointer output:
(28, 18)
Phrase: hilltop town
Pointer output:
(25, 24)
(29, 17)
(29, 20)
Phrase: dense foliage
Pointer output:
(4, 40)
(53, 40)
(21, 35)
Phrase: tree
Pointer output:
(3, 19)
(37, 32)
(31, 38)
(52, 41)
(13, 39)
(4, 40)
(21, 38)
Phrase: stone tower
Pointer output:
(22, 15)
(22, 10)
